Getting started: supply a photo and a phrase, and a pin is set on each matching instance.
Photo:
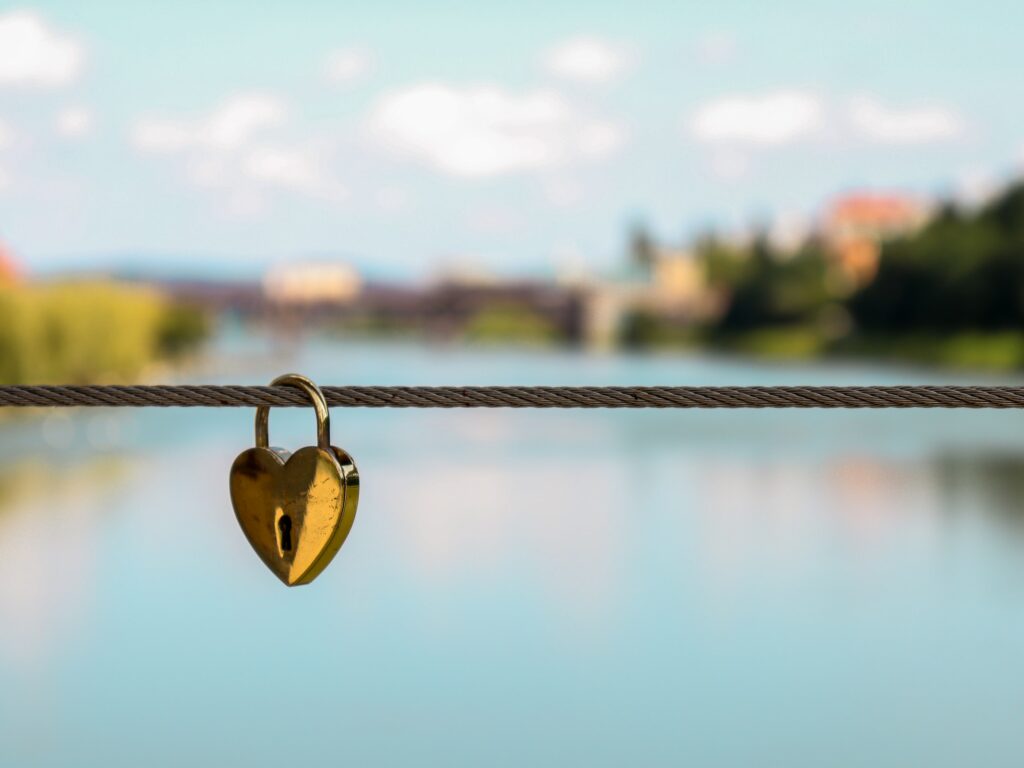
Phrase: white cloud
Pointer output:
(786, 116)
(486, 130)
(770, 119)
(347, 65)
(36, 55)
(247, 174)
(228, 127)
(229, 150)
(297, 168)
(74, 122)
(588, 60)
(910, 125)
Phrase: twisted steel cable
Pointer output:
(228, 396)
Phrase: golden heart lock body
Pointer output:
(295, 509)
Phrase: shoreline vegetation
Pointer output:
(949, 294)
(95, 331)
(997, 351)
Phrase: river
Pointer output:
(716, 588)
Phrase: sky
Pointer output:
(409, 137)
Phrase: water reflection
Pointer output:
(990, 484)
(49, 525)
(621, 587)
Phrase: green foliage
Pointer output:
(725, 265)
(950, 294)
(90, 331)
(962, 272)
(789, 343)
(642, 329)
(510, 323)
(996, 351)
(767, 288)
(181, 329)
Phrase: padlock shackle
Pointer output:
(323, 415)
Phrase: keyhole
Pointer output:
(284, 525)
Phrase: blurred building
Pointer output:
(678, 285)
(466, 273)
(670, 283)
(312, 284)
(854, 227)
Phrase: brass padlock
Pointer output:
(295, 509)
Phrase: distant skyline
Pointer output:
(226, 136)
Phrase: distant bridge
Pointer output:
(581, 314)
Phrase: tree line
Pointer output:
(951, 291)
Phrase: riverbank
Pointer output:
(997, 352)
(984, 351)
(965, 350)
(81, 332)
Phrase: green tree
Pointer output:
(963, 271)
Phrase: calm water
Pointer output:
(558, 588)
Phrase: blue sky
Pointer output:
(409, 136)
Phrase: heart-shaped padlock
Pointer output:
(295, 509)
